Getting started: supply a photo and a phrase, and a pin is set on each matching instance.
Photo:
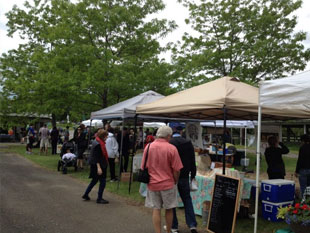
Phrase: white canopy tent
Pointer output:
(230, 124)
(288, 97)
(153, 124)
(95, 123)
(127, 108)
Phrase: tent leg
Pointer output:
(133, 153)
(89, 133)
(120, 156)
(257, 165)
(224, 141)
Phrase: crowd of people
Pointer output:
(171, 164)
(43, 138)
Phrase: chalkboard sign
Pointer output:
(224, 203)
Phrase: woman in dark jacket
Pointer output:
(54, 139)
(303, 164)
(273, 154)
(98, 166)
(81, 141)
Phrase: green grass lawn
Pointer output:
(290, 163)
(242, 225)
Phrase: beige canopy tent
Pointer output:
(224, 98)
(229, 98)
(208, 102)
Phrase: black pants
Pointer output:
(54, 147)
(112, 168)
(30, 144)
(93, 182)
(125, 161)
(273, 176)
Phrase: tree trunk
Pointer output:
(105, 98)
(53, 120)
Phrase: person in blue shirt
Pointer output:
(30, 139)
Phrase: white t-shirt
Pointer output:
(69, 156)
(111, 146)
(44, 133)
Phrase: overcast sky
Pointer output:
(174, 11)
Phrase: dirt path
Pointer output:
(33, 199)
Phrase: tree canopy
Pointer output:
(252, 40)
(83, 56)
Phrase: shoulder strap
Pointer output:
(147, 153)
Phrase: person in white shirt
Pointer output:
(68, 159)
(44, 133)
(68, 156)
(112, 149)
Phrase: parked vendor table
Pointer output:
(204, 192)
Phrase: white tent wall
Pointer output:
(95, 123)
(230, 124)
(289, 95)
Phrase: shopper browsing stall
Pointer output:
(164, 165)
(273, 154)
(187, 155)
(303, 164)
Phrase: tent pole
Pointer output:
(240, 136)
(121, 155)
(224, 141)
(89, 133)
(257, 163)
(216, 142)
(133, 152)
(245, 132)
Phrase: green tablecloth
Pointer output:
(204, 192)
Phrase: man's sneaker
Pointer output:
(194, 230)
(102, 201)
(172, 230)
(86, 197)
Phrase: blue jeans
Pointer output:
(184, 191)
(93, 182)
(304, 180)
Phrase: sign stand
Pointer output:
(224, 204)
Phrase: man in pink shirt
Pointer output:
(164, 165)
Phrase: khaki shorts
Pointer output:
(44, 143)
(166, 199)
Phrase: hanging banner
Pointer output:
(194, 133)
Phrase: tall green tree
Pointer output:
(84, 56)
(252, 40)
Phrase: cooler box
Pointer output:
(270, 210)
(278, 190)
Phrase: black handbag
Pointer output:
(143, 174)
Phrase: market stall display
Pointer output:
(205, 186)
